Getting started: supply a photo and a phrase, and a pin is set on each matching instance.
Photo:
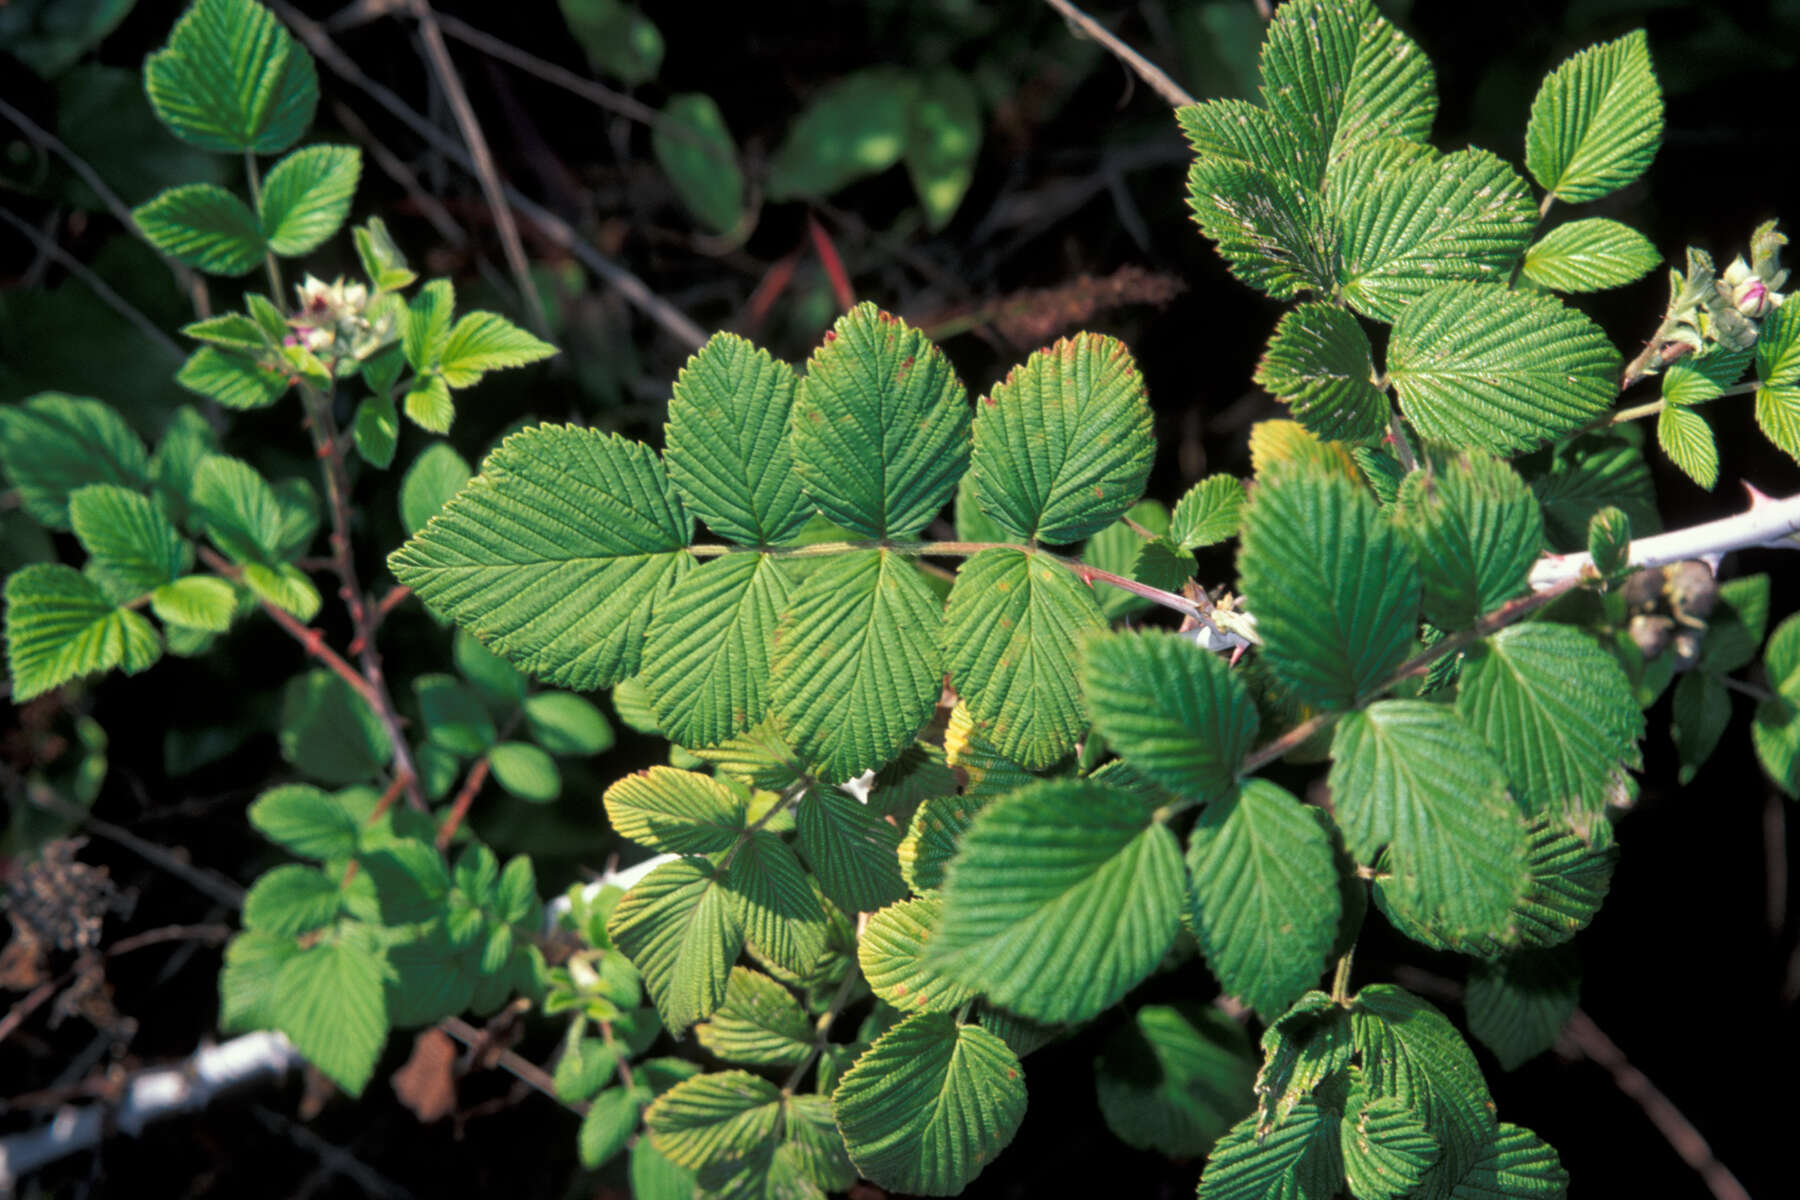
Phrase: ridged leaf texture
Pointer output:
(555, 554)
(880, 426)
(1319, 363)
(857, 670)
(1063, 896)
(1333, 586)
(1517, 1006)
(204, 226)
(759, 1024)
(1387, 1149)
(1174, 1078)
(930, 1104)
(675, 812)
(1173, 711)
(1264, 895)
(132, 547)
(1590, 255)
(728, 447)
(706, 653)
(1409, 777)
(1517, 1165)
(1305, 1047)
(680, 930)
(1559, 711)
(61, 626)
(1687, 439)
(328, 999)
(1776, 730)
(1062, 446)
(1299, 1159)
(1475, 529)
(851, 850)
(1207, 513)
(1481, 367)
(932, 838)
(892, 954)
(306, 198)
(714, 1118)
(1012, 629)
(53, 444)
(1596, 121)
(1778, 367)
(480, 342)
(1271, 231)
(232, 79)
(1465, 216)
(784, 923)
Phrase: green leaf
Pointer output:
(1271, 232)
(1688, 441)
(1065, 894)
(759, 1024)
(1701, 710)
(1778, 348)
(1775, 731)
(1778, 416)
(654, 1177)
(309, 822)
(132, 547)
(428, 404)
(1735, 628)
(706, 656)
(1320, 365)
(232, 79)
(1208, 513)
(857, 670)
(714, 1118)
(1517, 1165)
(784, 923)
(1011, 630)
(329, 1000)
(204, 226)
(1475, 529)
(1175, 712)
(233, 330)
(1596, 121)
(234, 380)
(1063, 445)
(455, 718)
(526, 771)
(480, 342)
(1299, 1159)
(1333, 586)
(943, 140)
(555, 554)
(930, 1104)
(931, 840)
(891, 952)
(53, 444)
(566, 725)
(1590, 255)
(429, 484)
(675, 812)
(618, 39)
(728, 447)
(50, 36)
(606, 1128)
(329, 731)
(880, 426)
(253, 962)
(679, 929)
(851, 850)
(1696, 379)
(1518, 1006)
(1387, 1149)
(382, 260)
(1410, 777)
(1592, 473)
(1609, 542)
(285, 586)
(1478, 366)
(292, 899)
(694, 147)
(240, 511)
(306, 198)
(1558, 710)
(1174, 1079)
(857, 126)
(195, 602)
(1307, 1046)
(425, 326)
(1264, 898)
(1465, 216)
(60, 625)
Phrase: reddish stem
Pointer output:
(459, 808)
(833, 264)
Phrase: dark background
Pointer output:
(1689, 967)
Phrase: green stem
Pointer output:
(1653, 407)
(1340, 979)
(269, 263)
(821, 1037)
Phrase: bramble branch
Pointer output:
(1768, 522)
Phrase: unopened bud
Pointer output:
(1643, 589)
(1752, 298)
(1651, 634)
(1692, 591)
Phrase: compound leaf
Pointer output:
(204, 226)
(232, 79)
(1319, 364)
(1590, 255)
(1596, 121)
(306, 198)
(1475, 530)
(60, 625)
(675, 812)
(706, 656)
(680, 930)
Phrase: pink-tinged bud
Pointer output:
(1752, 298)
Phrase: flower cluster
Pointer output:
(337, 320)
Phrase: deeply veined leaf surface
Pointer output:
(1012, 628)
(329, 1000)
(852, 851)
(1517, 1165)
(480, 342)
(1479, 366)
(1264, 894)
(1590, 255)
(132, 547)
(232, 79)
(53, 444)
(706, 657)
(930, 1104)
(1387, 1149)
(1475, 530)
(857, 670)
(714, 1118)
(1175, 712)
(1063, 446)
(555, 555)
(60, 626)
(1687, 439)
(1411, 777)
(880, 426)
(931, 840)
(1559, 712)
(234, 380)
(1271, 231)
(204, 226)
(1208, 512)
(1174, 1078)
(891, 952)
(728, 448)
(675, 812)
(679, 929)
(1306, 1046)
(1299, 1159)
(1596, 121)
(1333, 586)
(759, 1024)
(1517, 1007)
(784, 923)
(1063, 896)
(306, 197)
(1319, 363)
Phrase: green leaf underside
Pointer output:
(232, 79)
(930, 1104)
(1334, 588)
(60, 626)
(1175, 712)
(1319, 363)
(759, 1024)
(852, 851)
(1011, 631)
(1478, 366)
(1264, 894)
(856, 663)
(783, 921)
(1687, 439)
(679, 929)
(1517, 1007)
(1465, 216)
(706, 658)
(1596, 121)
(1175, 1078)
(1475, 530)
(1063, 445)
(714, 1118)
(204, 226)
(1299, 1159)
(307, 196)
(728, 447)
(675, 812)
(554, 556)
(1590, 255)
(53, 444)
(1410, 777)
(1063, 896)
(1559, 712)
(891, 952)
(880, 426)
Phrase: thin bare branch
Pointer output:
(1140, 66)
(97, 285)
(429, 206)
